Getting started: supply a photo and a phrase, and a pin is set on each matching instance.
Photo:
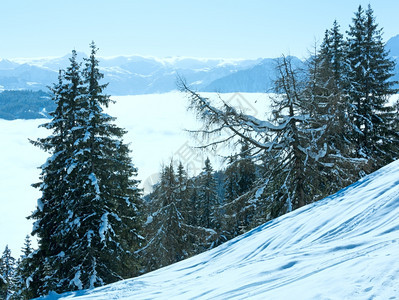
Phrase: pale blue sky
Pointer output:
(205, 28)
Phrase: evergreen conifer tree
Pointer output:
(193, 200)
(329, 110)
(87, 219)
(208, 196)
(183, 192)
(7, 274)
(172, 229)
(167, 234)
(246, 169)
(232, 187)
(51, 215)
(369, 72)
(332, 55)
(23, 272)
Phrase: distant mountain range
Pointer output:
(393, 47)
(133, 75)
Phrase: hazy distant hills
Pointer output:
(258, 78)
(393, 46)
(132, 75)
(24, 104)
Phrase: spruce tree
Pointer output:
(369, 72)
(193, 200)
(208, 196)
(23, 272)
(232, 178)
(183, 192)
(246, 169)
(50, 216)
(332, 55)
(232, 208)
(87, 219)
(328, 109)
(7, 274)
(172, 228)
(166, 243)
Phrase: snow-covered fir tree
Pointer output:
(246, 169)
(232, 188)
(51, 215)
(208, 197)
(328, 109)
(182, 191)
(166, 236)
(332, 55)
(87, 219)
(171, 236)
(23, 272)
(240, 176)
(369, 73)
(193, 202)
(7, 274)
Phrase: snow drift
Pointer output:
(343, 247)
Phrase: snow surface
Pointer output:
(155, 131)
(343, 247)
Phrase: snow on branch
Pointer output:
(228, 120)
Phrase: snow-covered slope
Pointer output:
(343, 247)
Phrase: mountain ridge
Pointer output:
(127, 75)
(137, 74)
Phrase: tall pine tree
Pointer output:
(232, 178)
(87, 219)
(23, 272)
(172, 234)
(7, 274)
(369, 73)
(329, 110)
(167, 243)
(208, 196)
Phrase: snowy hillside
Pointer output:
(343, 247)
